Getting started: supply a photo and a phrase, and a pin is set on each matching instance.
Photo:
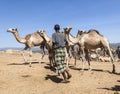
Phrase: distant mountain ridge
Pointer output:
(112, 45)
(20, 48)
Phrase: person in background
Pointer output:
(59, 40)
(118, 52)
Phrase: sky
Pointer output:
(28, 16)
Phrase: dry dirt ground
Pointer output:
(18, 78)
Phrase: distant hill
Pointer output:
(112, 45)
(15, 48)
(35, 49)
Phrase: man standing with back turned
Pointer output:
(59, 40)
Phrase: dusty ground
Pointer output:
(18, 78)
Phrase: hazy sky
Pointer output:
(31, 15)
